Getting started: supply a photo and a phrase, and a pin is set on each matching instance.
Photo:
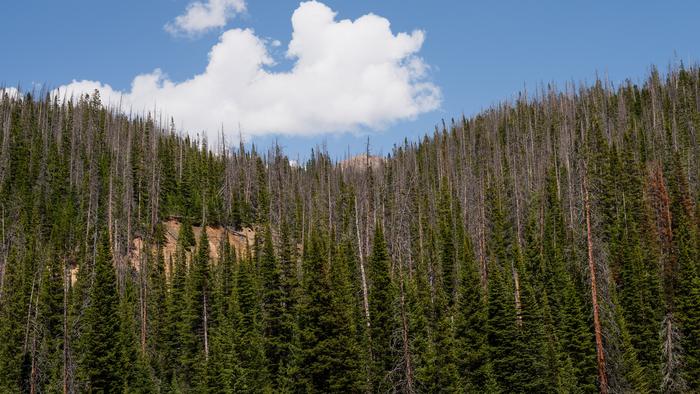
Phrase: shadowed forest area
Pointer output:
(547, 244)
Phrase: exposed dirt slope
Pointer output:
(240, 240)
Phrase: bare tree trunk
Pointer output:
(33, 374)
(518, 228)
(518, 305)
(3, 263)
(109, 211)
(405, 337)
(365, 298)
(672, 381)
(206, 336)
(482, 242)
(66, 282)
(29, 316)
(600, 354)
(143, 295)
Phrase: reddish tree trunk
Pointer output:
(602, 377)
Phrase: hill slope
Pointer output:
(547, 244)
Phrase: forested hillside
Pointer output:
(548, 244)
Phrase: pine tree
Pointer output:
(381, 301)
(223, 364)
(290, 300)
(639, 285)
(447, 374)
(251, 348)
(564, 302)
(135, 372)
(312, 322)
(532, 342)
(198, 303)
(274, 314)
(157, 305)
(685, 250)
(345, 354)
(12, 319)
(447, 247)
(688, 304)
(471, 317)
(100, 366)
(50, 322)
(175, 324)
(502, 331)
(689, 321)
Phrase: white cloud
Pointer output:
(200, 17)
(346, 75)
(10, 91)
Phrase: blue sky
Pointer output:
(477, 53)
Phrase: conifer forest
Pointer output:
(548, 244)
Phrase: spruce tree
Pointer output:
(223, 364)
(12, 318)
(274, 313)
(502, 331)
(197, 315)
(135, 372)
(175, 324)
(50, 324)
(531, 344)
(564, 302)
(470, 319)
(156, 304)
(685, 282)
(381, 301)
(314, 336)
(101, 366)
(345, 354)
(251, 347)
(447, 246)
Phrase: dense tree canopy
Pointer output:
(548, 244)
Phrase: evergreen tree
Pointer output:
(532, 342)
(345, 354)
(101, 363)
(135, 373)
(502, 331)
(447, 247)
(12, 318)
(251, 348)
(381, 301)
(50, 322)
(563, 301)
(274, 313)
(156, 307)
(471, 318)
(685, 250)
(223, 364)
(197, 315)
(689, 321)
(175, 325)
(511, 313)
(314, 337)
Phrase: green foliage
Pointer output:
(101, 367)
(251, 348)
(471, 317)
(381, 301)
(457, 263)
(12, 315)
(330, 354)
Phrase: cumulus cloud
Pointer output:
(346, 76)
(10, 91)
(200, 17)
